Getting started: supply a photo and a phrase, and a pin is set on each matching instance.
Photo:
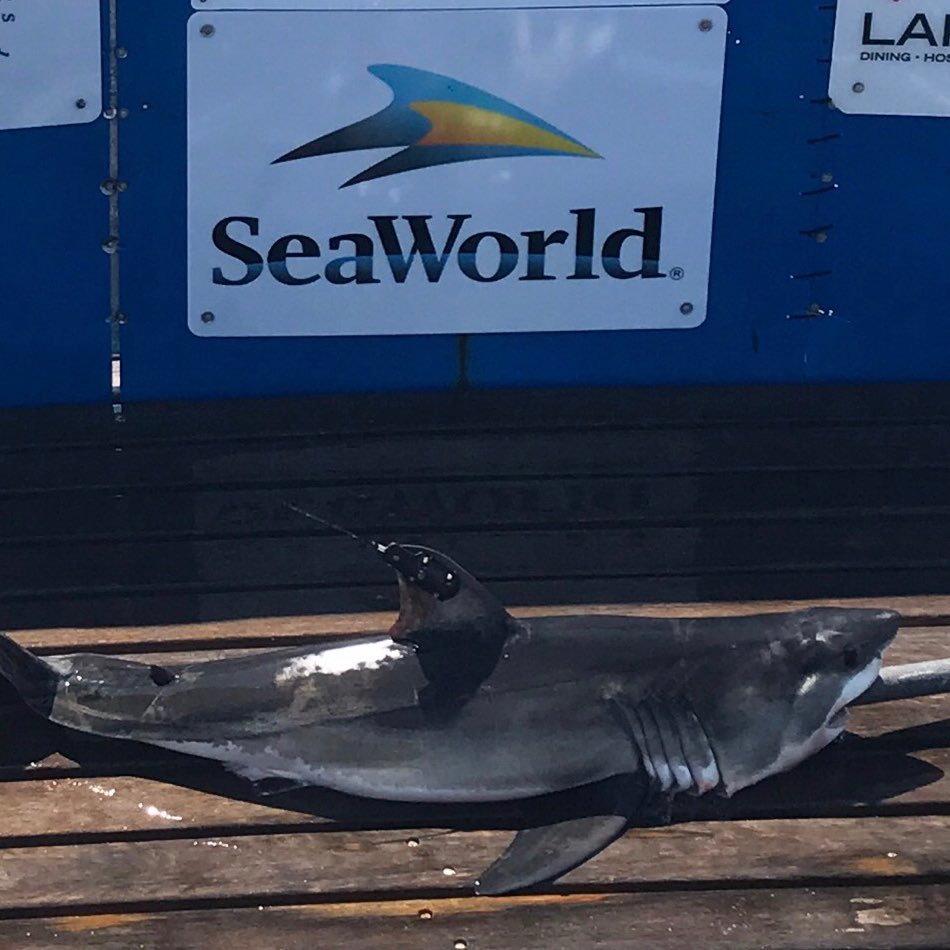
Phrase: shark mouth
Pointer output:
(838, 716)
(794, 752)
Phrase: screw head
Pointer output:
(705, 25)
(206, 30)
(207, 317)
(80, 103)
(858, 87)
(686, 308)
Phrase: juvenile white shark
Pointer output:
(461, 702)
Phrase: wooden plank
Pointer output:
(251, 563)
(282, 631)
(236, 418)
(403, 506)
(924, 612)
(201, 642)
(150, 607)
(889, 917)
(585, 451)
(433, 862)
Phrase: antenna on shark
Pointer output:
(335, 527)
(416, 567)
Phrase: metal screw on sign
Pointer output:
(80, 103)
(686, 308)
(705, 25)
(207, 30)
(858, 87)
(207, 317)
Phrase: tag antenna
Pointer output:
(331, 525)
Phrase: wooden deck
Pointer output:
(167, 536)
(108, 844)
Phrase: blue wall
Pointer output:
(54, 276)
(881, 270)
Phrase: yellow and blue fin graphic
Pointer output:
(440, 120)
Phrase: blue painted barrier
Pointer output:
(827, 258)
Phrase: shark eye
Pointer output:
(850, 657)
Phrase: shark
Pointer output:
(460, 702)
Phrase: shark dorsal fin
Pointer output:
(458, 628)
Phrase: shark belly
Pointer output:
(493, 750)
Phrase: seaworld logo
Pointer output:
(440, 120)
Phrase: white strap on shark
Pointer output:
(673, 746)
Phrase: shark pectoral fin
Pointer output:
(548, 851)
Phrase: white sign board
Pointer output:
(419, 4)
(451, 171)
(50, 62)
(892, 58)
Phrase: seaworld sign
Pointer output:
(451, 171)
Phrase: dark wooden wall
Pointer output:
(571, 496)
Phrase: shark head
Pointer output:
(771, 701)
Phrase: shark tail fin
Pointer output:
(31, 677)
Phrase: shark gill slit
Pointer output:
(696, 746)
(655, 744)
(631, 725)
(644, 723)
(673, 746)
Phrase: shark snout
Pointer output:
(871, 629)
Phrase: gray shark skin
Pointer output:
(461, 702)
